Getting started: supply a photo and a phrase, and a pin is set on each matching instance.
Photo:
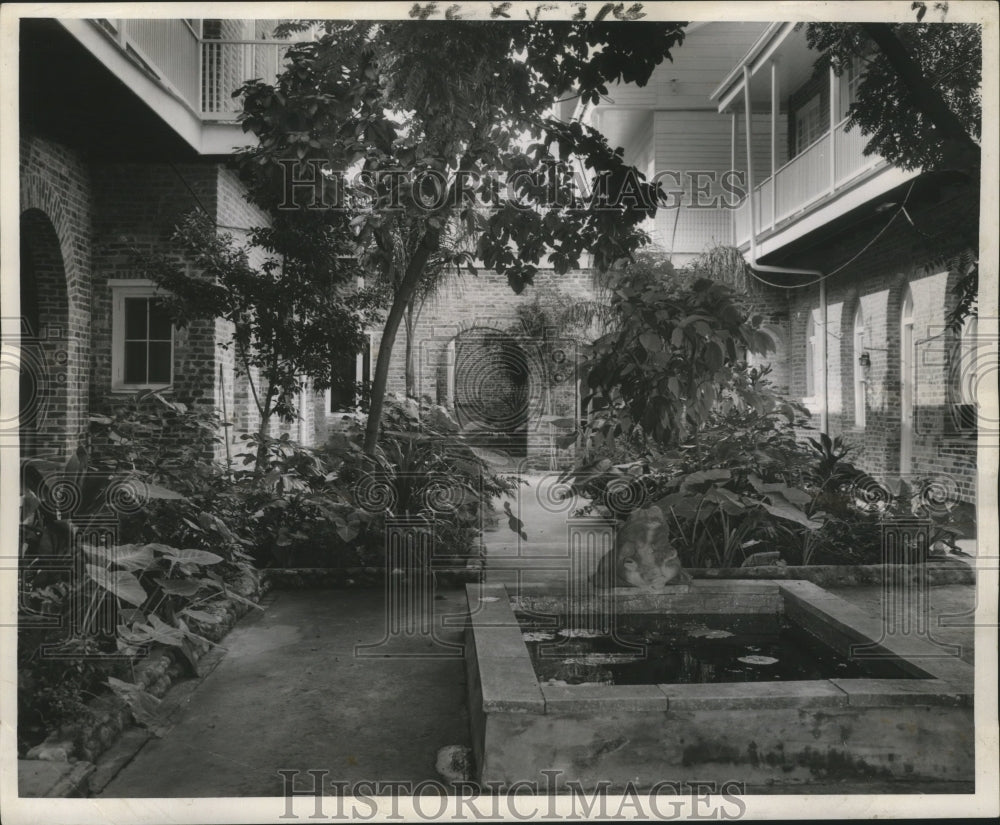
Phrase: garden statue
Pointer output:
(643, 555)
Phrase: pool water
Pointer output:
(689, 649)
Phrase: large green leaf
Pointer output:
(651, 342)
(118, 582)
(126, 556)
(567, 440)
(155, 630)
(791, 494)
(702, 476)
(202, 616)
(729, 501)
(158, 492)
(191, 555)
(790, 513)
(179, 587)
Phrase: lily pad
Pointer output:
(708, 633)
(757, 660)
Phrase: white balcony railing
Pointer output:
(227, 64)
(203, 73)
(808, 178)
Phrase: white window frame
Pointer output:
(849, 82)
(808, 123)
(860, 376)
(359, 372)
(120, 290)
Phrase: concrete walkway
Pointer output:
(541, 556)
(290, 694)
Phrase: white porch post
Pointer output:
(824, 385)
(201, 70)
(834, 109)
(748, 129)
(774, 141)
(732, 167)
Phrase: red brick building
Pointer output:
(866, 291)
(125, 128)
(857, 316)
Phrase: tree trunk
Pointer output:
(263, 429)
(411, 380)
(407, 289)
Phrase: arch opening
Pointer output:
(43, 407)
(494, 389)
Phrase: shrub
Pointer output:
(678, 418)
(112, 559)
(424, 469)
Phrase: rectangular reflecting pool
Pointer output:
(652, 649)
(779, 685)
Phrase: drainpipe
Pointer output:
(824, 412)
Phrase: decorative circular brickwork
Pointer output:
(492, 381)
(499, 387)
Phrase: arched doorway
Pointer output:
(495, 389)
(43, 407)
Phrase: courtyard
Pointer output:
(577, 404)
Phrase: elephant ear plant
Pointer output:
(425, 469)
(97, 585)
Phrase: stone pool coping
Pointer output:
(507, 683)
(934, 573)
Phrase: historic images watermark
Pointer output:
(317, 184)
(970, 362)
(40, 358)
(550, 797)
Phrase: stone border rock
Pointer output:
(295, 578)
(76, 746)
(825, 575)
(845, 575)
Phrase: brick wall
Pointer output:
(485, 301)
(136, 207)
(56, 209)
(905, 256)
(80, 223)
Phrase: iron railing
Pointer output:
(805, 180)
